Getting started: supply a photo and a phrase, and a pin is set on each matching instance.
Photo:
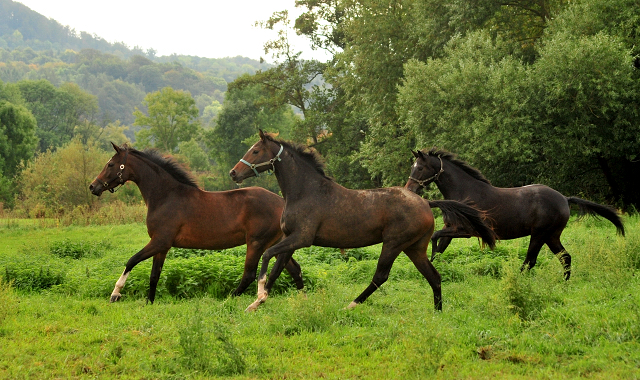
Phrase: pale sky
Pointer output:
(211, 29)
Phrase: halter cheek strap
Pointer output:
(119, 174)
(425, 182)
(270, 162)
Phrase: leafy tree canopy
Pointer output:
(170, 120)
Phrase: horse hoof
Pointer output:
(253, 307)
(567, 275)
(115, 298)
(352, 305)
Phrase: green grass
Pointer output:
(496, 321)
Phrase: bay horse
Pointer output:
(180, 214)
(535, 210)
(320, 212)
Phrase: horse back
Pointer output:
(357, 218)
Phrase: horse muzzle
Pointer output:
(96, 188)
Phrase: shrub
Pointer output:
(34, 278)
(209, 350)
(78, 249)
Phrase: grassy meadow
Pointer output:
(56, 321)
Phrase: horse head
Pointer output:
(115, 172)
(258, 159)
(426, 169)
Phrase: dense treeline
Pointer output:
(527, 91)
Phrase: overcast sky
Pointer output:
(212, 29)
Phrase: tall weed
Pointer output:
(209, 349)
(78, 249)
(529, 292)
(8, 300)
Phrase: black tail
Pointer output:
(594, 209)
(466, 218)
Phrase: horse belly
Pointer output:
(346, 237)
(210, 236)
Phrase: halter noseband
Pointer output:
(425, 182)
(270, 162)
(119, 174)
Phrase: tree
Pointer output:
(171, 119)
(57, 110)
(237, 125)
(290, 82)
(18, 139)
(57, 181)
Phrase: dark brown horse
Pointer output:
(535, 210)
(320, 212)
(180, 214)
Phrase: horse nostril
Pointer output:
(232, 173)
(90, 187)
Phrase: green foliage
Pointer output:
(78, 249)
(57, 109)
(17, 137)
(530, 324)
(55, 182)
(8, 301)
(209, 349)
(33, 277)
(170, 119)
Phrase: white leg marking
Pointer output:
(115, 295)
(262, 295)
(352, 305)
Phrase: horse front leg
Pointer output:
(151, 249)
(156, 269)
(284, 250)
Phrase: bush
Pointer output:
(34, 278)
(209, 349)
(78, 249)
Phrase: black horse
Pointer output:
(535, 210)
(320, 212)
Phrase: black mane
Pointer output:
(310, 155)
(451, 157)
(168, 164)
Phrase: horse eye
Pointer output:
(255, 152)
(110, 164)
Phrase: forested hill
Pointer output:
(33, 47)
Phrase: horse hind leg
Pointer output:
(387, 257)
(418, 255)
(535, 244)
(563, 256)
(439, 242)
(295, 271)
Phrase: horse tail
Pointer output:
(595, 209)
(466, 218)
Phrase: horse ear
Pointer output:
(415, 154)
(117, 149)
(262, 135)
(420, 154)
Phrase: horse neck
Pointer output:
(295, 176)
(455, 183)
(154, 182)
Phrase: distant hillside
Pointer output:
(35, 47)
